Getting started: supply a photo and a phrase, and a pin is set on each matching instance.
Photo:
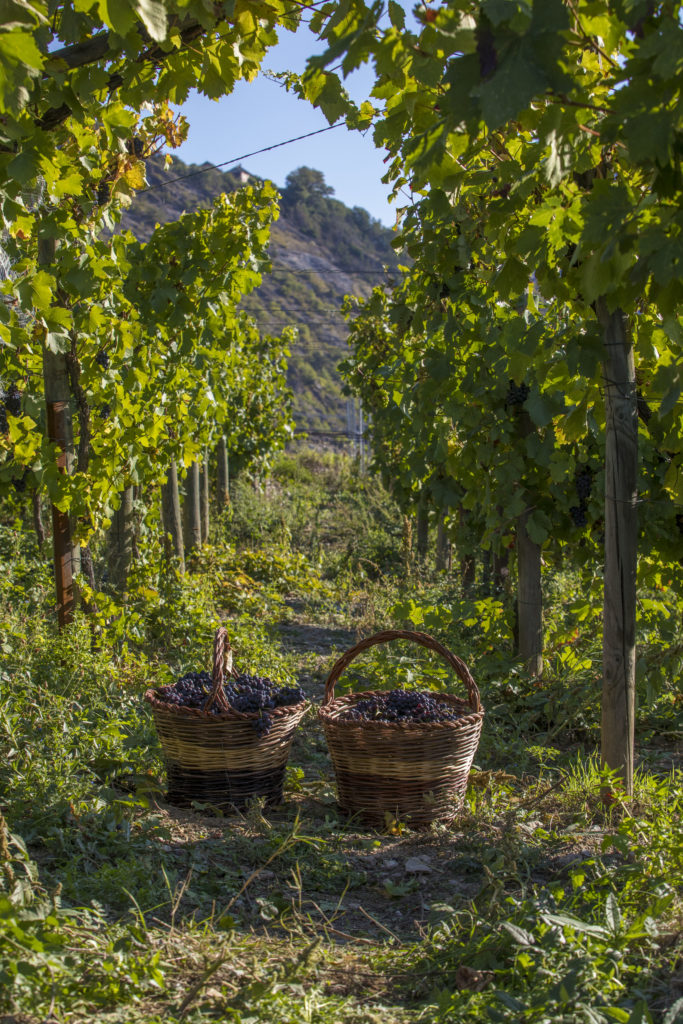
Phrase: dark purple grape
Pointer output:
(13, 400)
(246, 693)
(578, 514)
(401, 706)
(644, 410)
(517, 394)
(583, 480)
(486, 51)
(136, 146)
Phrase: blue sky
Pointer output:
(259, 113)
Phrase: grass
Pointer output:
(538, 903)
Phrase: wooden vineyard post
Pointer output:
(468, 573)
(204, 497)
(172, 519)
(529, 591)
(193, 519)
(621, 545)
(407, 544)
(60, 432)
(468, 560)
(223, 474)
(422, 528)
(529, 598)
(121, 537)
(442, 545)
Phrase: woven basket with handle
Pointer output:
(218, 758)
(413, 771)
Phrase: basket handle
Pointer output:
(222, 667)
(425, 640)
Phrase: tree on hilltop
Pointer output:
(305, 185)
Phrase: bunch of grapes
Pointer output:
(578, 514)
(136, 147)
(103, 193)
(102, 359)
(249, 693)
(517, 393)
(246, 693)
(189, 692)
(10, 402)
(583, 481)
(13, 400)
(401, 706)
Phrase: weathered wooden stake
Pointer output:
(468, 572)
(120, 540)
(621, 545)
(407, 543)
(193, 519)
(204, 497)
(443, 546)
(172, 519)
(529, 598)
(529, 593)
(422, 528)
(223, 481)
(60, 431)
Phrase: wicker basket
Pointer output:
(218, 758)
(414, 771)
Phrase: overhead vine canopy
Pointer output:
(142, 343)
(541, 143)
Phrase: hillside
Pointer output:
(321, 251)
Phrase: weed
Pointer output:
(537, 903)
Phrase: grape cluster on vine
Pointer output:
(246, 693)
(401, 706)
(102, 359)
(583, 482)
(517, 394)
(578, 514)
(136, 147)
(10, 402)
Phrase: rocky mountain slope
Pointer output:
(321, 251)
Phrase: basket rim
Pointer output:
(327, 714)
(232, 715)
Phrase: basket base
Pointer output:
(227, 791)
(417, 804)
